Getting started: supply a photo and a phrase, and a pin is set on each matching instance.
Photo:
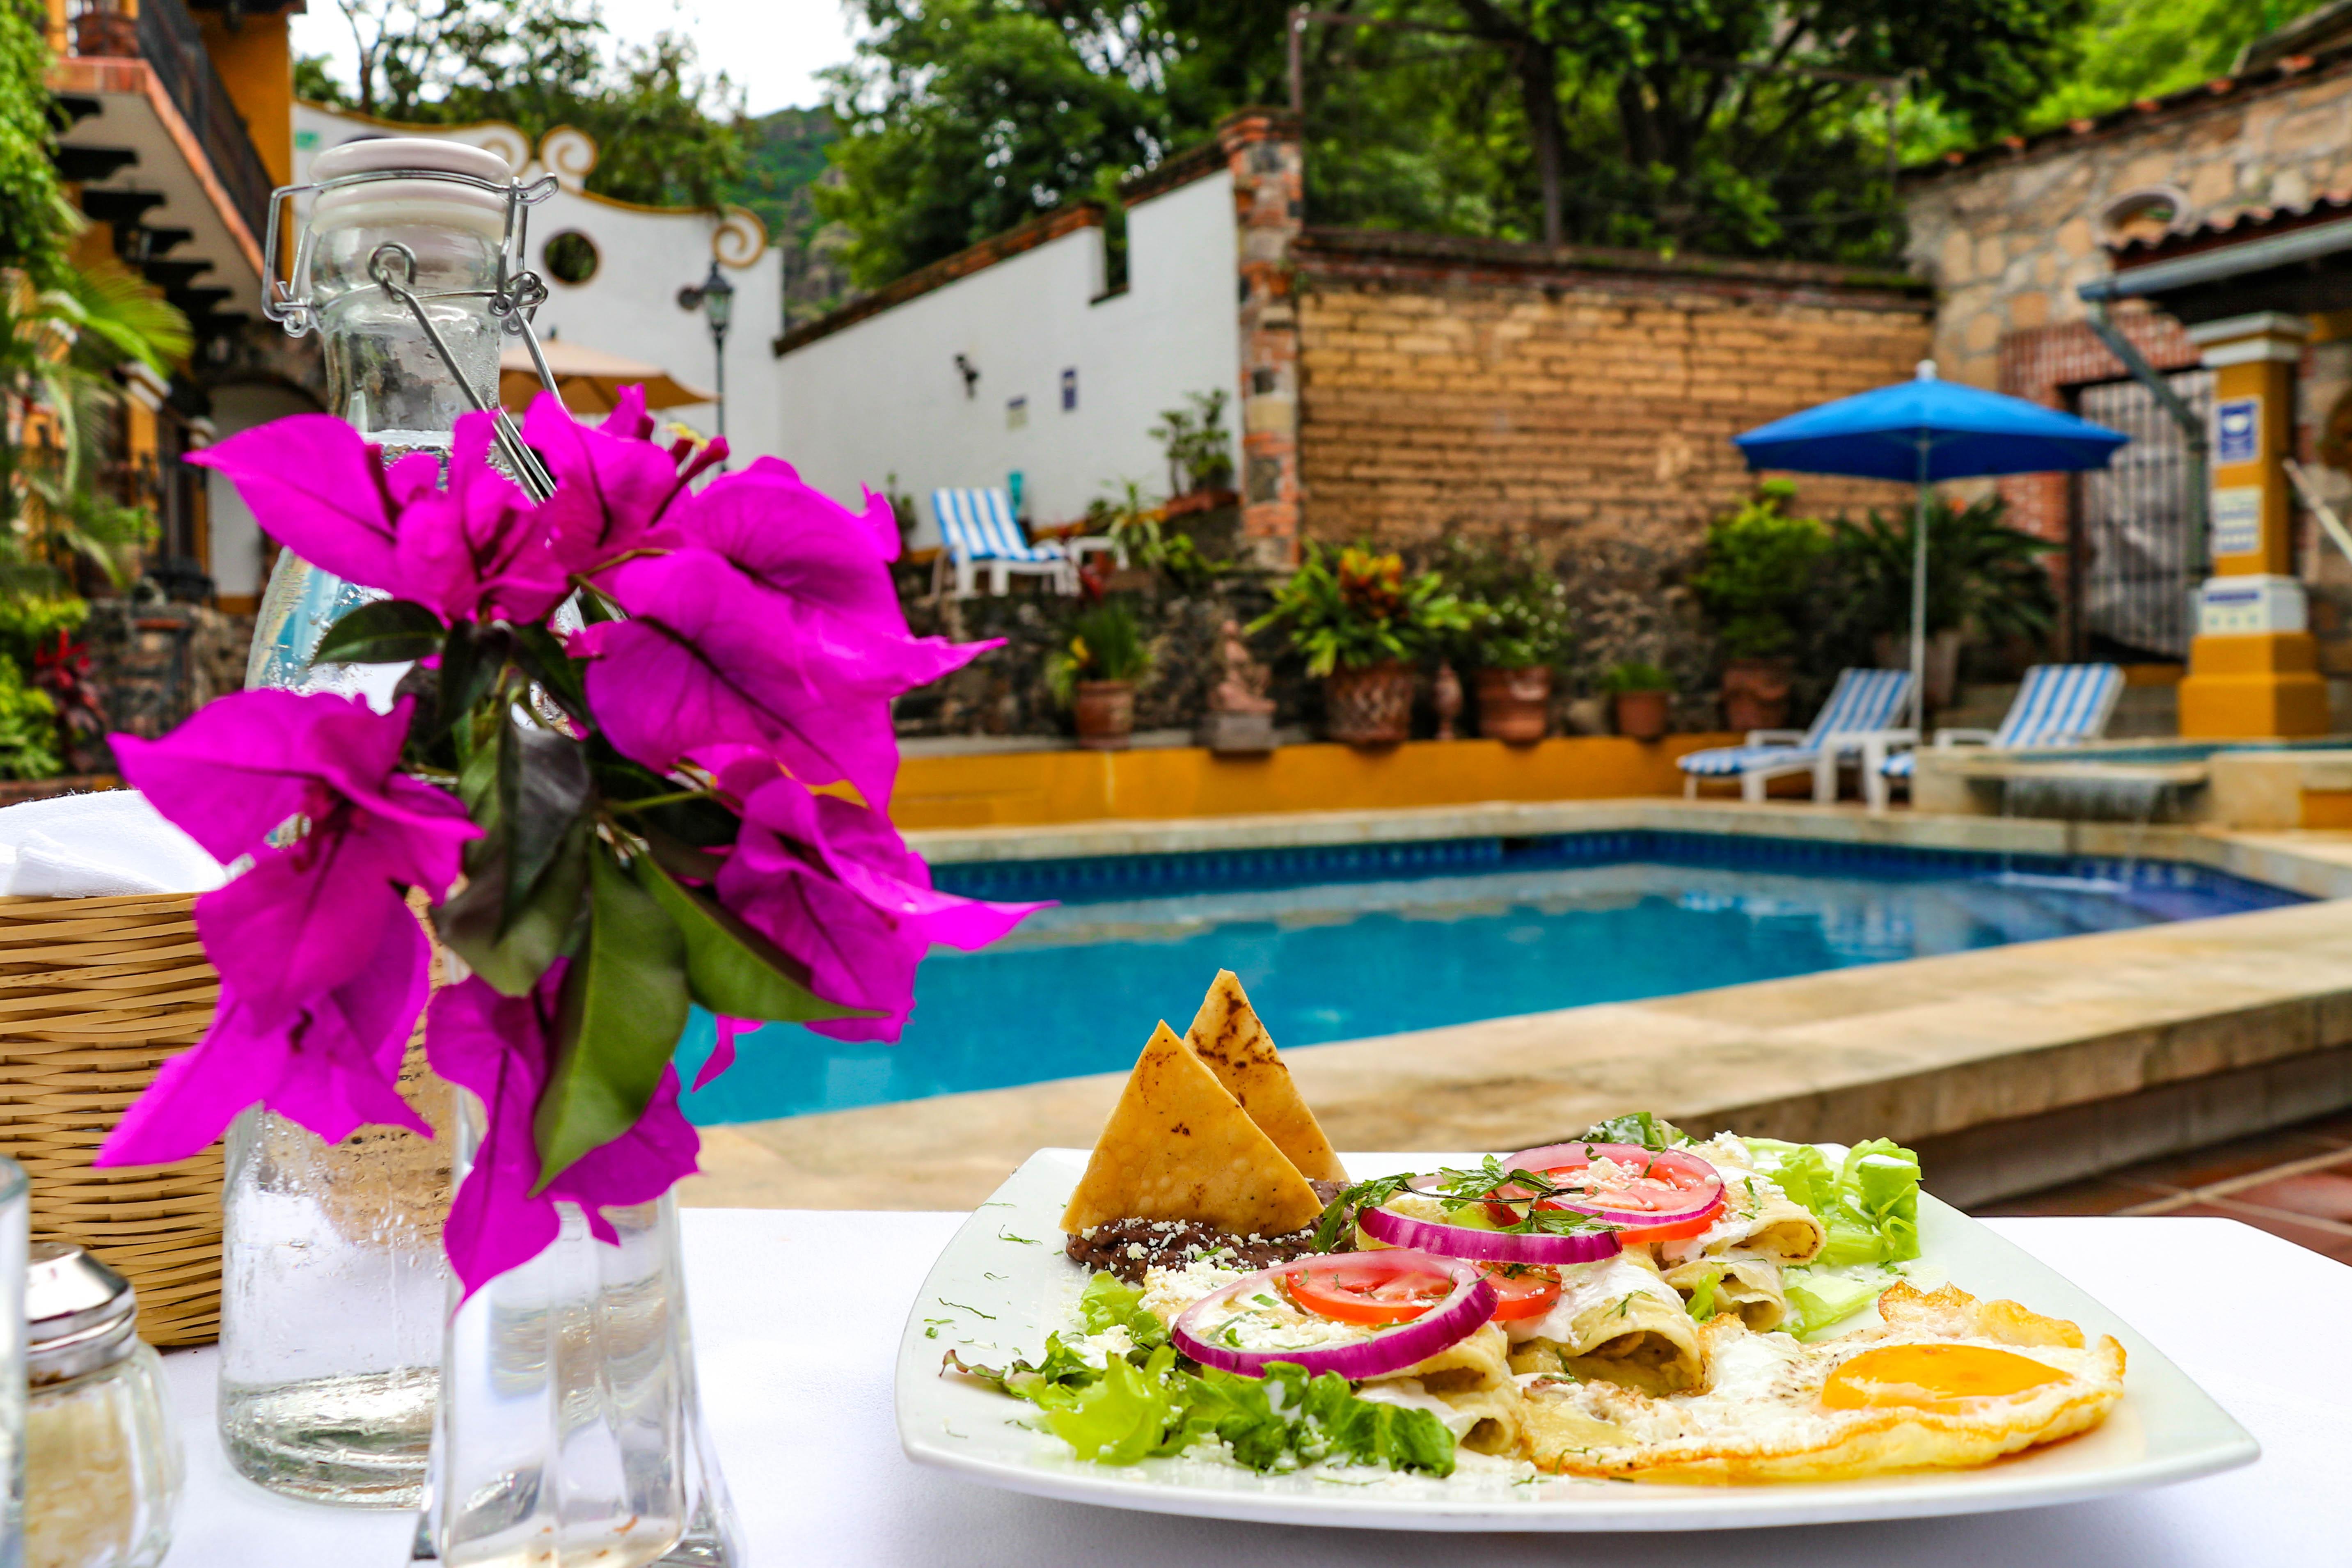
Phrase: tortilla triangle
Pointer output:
(1179, 1147)
(1228, 1035)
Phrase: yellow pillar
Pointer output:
(2253, 668)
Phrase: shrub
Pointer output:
(1759, 572)
(1635, 676)
(1104, 643)
(1362, 609)
(1516, 605)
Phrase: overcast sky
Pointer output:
(770, 49)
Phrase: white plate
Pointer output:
(1002, 1284)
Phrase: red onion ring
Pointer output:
(1553, 1157)
(1449, 1322)
(1549, 1251)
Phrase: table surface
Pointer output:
(797, 1316)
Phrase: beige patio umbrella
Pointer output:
(589, 379)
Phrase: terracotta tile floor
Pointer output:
(2295, 1183)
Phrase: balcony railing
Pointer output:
(164, 35)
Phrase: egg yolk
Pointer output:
(1932, 1377)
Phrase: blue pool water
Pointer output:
(1341, 944)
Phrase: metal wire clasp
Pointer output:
(515, 296)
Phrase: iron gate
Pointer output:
(2133, 562)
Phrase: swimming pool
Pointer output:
(1341, 943)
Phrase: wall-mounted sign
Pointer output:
(1069, 389)
(2237, 431)
(2237, 519)
(1016, 413)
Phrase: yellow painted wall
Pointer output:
(257, 68)
(1022, 788)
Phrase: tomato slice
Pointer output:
(1661, 1183)
(1526, 1293)
(1359, 1288)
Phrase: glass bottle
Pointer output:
(103, 1467)
(332, 1277)
(569, 1433)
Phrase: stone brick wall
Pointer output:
(2007, 235)
(1452, 385)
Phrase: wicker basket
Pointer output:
(95, 994)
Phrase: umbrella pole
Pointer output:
(1920, 600)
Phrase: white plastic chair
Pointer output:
(977, 529)
(2057, 705)
(1860, 706)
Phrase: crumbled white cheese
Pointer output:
(1168, 1291)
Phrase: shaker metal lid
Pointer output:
(71, 1297)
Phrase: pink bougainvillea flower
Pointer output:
(709, 656)
(614, 488)
(331, 1063)
(313, 911)
(722, 1049)
(478, 549)
(832, 884)
(792, 539)
(320, 490)
(501, 1047)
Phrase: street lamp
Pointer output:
(715, 298)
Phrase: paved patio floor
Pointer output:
(2295, 1183)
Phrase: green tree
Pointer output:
(35, 216)
(2131, 49)
(665, 132)
(1729, 126)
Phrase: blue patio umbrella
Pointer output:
(1927, 431)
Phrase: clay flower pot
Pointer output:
(1755, 694)
(1105, 711)
(1369, 707)
(1641, 715)
(1514, 705)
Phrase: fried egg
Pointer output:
(1944, 1381)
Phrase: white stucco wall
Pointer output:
(234, 553)
(629, 307)
(883, 396)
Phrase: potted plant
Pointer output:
(1517, 634)
(1096, 671)
(1199, 452)
(1639, 693)
(1759, 572)
(1984, 580)
(1360, 621)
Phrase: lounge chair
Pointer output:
(2058, 705)
(977, 529)
(1864, 702)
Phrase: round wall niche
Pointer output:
(570, 256)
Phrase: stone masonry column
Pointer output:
(2253, 668)
(1262, 148)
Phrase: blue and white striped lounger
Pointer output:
(977, 527)
(1864, 702)
(2057, 705)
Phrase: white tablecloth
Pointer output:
(797, 1316)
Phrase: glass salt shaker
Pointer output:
(333, 1281)
(101, 1457)
(15, 1215)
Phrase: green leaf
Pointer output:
(564, 679)
(510, 947)
(389, 631)
(623, 1009)
(732, 968)
(543, 787)
(472, 662)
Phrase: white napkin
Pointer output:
(97, 846)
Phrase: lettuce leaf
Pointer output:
(1799, 1170)
(1143, 1404)
(1109, 1302)
(1869, 1205)
(1638, 1128)
(1876, 1217)
(1821, 1296)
